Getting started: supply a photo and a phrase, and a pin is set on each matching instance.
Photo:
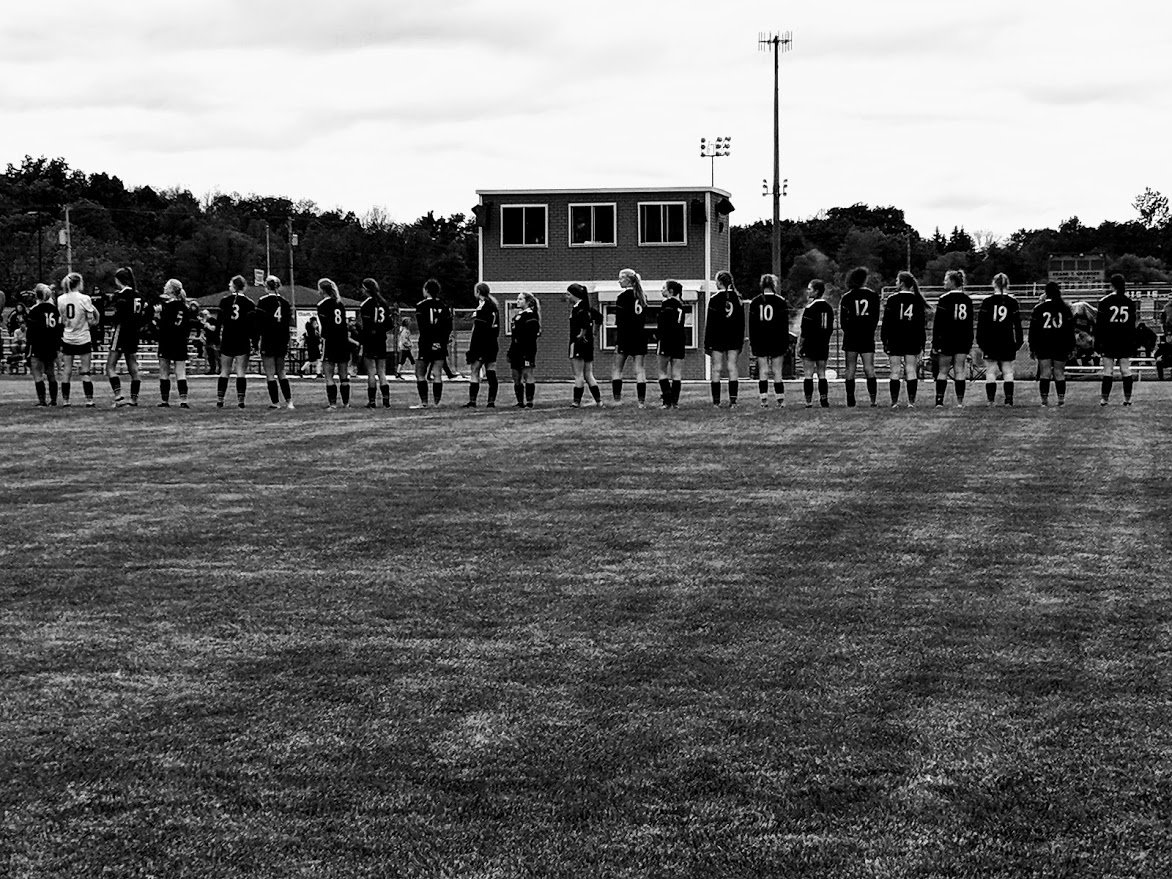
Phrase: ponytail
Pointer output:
(534, 304)
(329, 288)
(908, 280)
(1000, 282)
(370, 285)
(71, 282)
(725, 279)
(125, 277)
(482, 289)
(632, 276)
(272, 283)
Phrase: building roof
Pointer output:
(604, 190)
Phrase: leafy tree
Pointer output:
(1153, 208)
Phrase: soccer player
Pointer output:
(526, 327)
(44, 343)
(582, 321)
(176, 320)
(858, 313)
(129, 311)
(435, 330)
(1051, 342)
(769, 338)
(312, 339)
(483, 347)
(903, 335)
(999, 336)
(814, 343)
(335, 336)
(952, 336)
(724, 335)
(631, 341)
(1115, 339)
(275, 319)
(78, 314)
(671, 327)
(236, 330)
(374, 322)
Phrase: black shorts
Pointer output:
(124, 342)
(45, 355)
(1044, 354)
(631, 344)
(337, 350)
(583, 351)
(375, 347)
(278, 347)
(672, 352)
(859, 344)
(768, 351)
(432, 352)
(814, 351)
(174, 353)
(235, 348)
(1003, 356)
(483, 354)
(70, 349)
(519, 360)
(952, 351)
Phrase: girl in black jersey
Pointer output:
(769, 338)
(526, 328)
(484, 346)
(724, 335)
(374, 322)
(904, 333)
(44, 344)
(582, 321)
(1051, 342)
(630, 310)
(336, 338)
(276, 322)
(671, 329)
(999, 336)
(1115, 338)
(952, 336)
(176, 318)
(814, 343)
(236, 329)
(129, 308)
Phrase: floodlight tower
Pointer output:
(714, 150)
(776, 43)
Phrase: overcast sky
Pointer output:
(994, 115)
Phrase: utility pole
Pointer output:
(776, 43)
(268, 258)
(68, 243)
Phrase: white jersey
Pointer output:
(76, 310)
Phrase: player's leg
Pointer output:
(87, 378)
(640, 380)
(135, 379)
(37, 369)
(530, 387)
(960, 371)
(911, 369)
(763, 380)
(852, 368)
(66, 378)
(328, 368)
(1045, 377)
(730, 358)
(616, 376)
(436, 367)
(715, 361)
(991, 367)
(1007, 380)
(1059, 368)
(164, 382)
(343, 368)
(943, 362)
(1127, 379)
(776, 368)
(895, 365)
(579, 380)
(1106, 379)
(664, 363)
(823, 385)
(112, 368)
(384, 385)
(421, 381)
(491, 380)
(677, 381)
(240, 366)
(591, 382)
(368, 364)
(474, 367)
(222, 381)
(868, 358)
(180, 367)
(809, 367)
(519, 386)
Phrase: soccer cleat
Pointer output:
(371, 406)
(959, 405)
(417, 406)
(764, 403)
(528, 405)
(289, 405)
(490, 405)
(134, 401)
(163, 405)
(66, 404)
(939, 405)
(240, 405)
(911, 405)
(119, 401)
(1045, 401)
(184, 406)
(1061, 401)
(331, 407)
(274, 406)
(664, 405)
(219, 404)
(825, 404)
(811, 406)
(90, 404)
(41, 405)
(642, 405)
(575, 405)
(1102, 402)
(518, 406)
(469, 405)
(1127, 402)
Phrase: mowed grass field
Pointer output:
(587, 643)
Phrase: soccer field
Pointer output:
(617, 643)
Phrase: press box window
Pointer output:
(523, 226)
(663, 223)
(610, 333)
(592, 225)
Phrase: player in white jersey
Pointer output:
(78, 314)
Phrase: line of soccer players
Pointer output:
(61, 330)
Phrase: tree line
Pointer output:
(205, 240)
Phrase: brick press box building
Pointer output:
(542, 240)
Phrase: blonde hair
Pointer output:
(908, 281)
(769, 282)
(1000, 281)
(43, 292)
(272, 283)
(636, 282)
(532, 302)
(325, 285)
(955, 277)
(174, 288)
(72, 281)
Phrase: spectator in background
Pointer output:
(404, 349)
(211, 341)
(18, 317)
(19, 356)
(1163, 356)
(1145, 338)
(311, 339)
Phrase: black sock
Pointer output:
(65, 391)
(221, 388)
(1106, 388)
(941, 390)
(421, 387)
(823, 392)
(960, 388)
(808, 389)
(850, 391)
(1128, 381)
(473, 391)
(578, 392)
(52, 391)
(665, 391)
(182, 384)
(1009, 393)
(676, 386)
(763, 387)
(332, 394)
(273, 391)
(716, 392)
(913, 386)
(40, 388)
(990, 391)
(519, 390)
(894, 391)
(733, 385)
(1044, 388)
(616, 388)
(530, 391)
(596, 394)
(1060, 387)
(641, 391)
(344, 391)
(873, 387)
(371, 393)
(779, 389)
(165, 389)
(286, 389)
(241, 388)
(437, 391)
(116, 385)
(490, 374)
(385, 390)
(87, 388)
(135, 387)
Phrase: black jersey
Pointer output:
(630, 320)
(1051, 335)
(44, 330)
(952, 326)
(130, 310)
(435, 328)
(582, 321)
(376, 320)
(331, 314)
(724, 327)
(671, 328)
(817, 327)
(486, 325)
(175, 323)
(905, 319)
(858, 314)
(999, 333)
(526, 327)
(769, 325)
(236, 325)
(1115, 326)
(274, 315)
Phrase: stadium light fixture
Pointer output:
(713, 150)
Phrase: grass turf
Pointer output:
(580, 643)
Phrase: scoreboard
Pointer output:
(1083, 271)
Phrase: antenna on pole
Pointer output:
(777, 43)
